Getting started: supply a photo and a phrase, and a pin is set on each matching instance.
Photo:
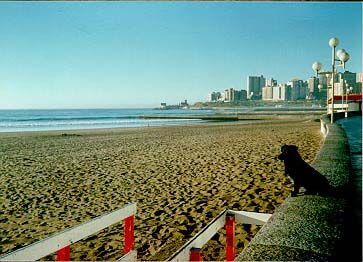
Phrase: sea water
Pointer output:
(70, 119)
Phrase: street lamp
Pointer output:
(343, 57)
(317, 67)
(344, 84)
(333, 42)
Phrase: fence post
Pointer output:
(64, 254)
(230, 237)
(195, 254)
(129, 238)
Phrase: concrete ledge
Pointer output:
(308, 227)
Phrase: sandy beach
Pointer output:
(179, 176)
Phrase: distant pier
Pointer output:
(237, 116)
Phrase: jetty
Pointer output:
(231, 115)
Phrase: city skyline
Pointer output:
(270, 89)
(114, 55)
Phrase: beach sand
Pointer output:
(181, 177)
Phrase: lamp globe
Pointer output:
(334, 42)
(316, 66)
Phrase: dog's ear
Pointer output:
(293, 147)
(283, 147)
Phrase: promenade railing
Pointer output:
(60, 243)
(191, 251)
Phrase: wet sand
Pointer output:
(179, 176)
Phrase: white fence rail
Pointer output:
(61, 242)
(190, 251)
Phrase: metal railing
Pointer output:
(60, 242)
(191, 251)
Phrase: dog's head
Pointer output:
(288, 152)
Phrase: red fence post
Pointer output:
(195, 254)
(230, 238)
(129, 238)
(64, 254)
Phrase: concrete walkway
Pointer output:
(353, 232)
(311, 227)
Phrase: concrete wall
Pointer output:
(309, 227)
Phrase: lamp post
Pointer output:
(343, 57)
(333, 42)
(348, 91)
(317, 66)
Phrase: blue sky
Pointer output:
(122, 54)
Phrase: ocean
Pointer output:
(71, 119)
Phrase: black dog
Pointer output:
(302, 173)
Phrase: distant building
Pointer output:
(267, 90)
(229, 95)
(360, 77)
(313, 88)
(298, 89)
(345, 80)
(232, 95)
(322, 86)
(281, 92)
(243, 95)
(349, 77)
(339, 88)
(267, 93)
(359, 83)
(184, 105)
(325, 78)
(254, 86)
(223, 98)
(271, 82)
(358, 88)
(214, 97)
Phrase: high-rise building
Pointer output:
(281, 92)
(348, 78)
(229, 95)
(313, 88)
(271, 82)
(360, 77)
(214, 97)
(298, 89)
(232, 95)
(339, 88)
(359, 84)
(254, 86)
(243, 95)
(267, 93)
(325, 78)
(345, 80)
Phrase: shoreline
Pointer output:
(241, 121)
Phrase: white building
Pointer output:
(267, 93)
(281, 92)
(271, 82)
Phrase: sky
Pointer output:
(124, 54)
